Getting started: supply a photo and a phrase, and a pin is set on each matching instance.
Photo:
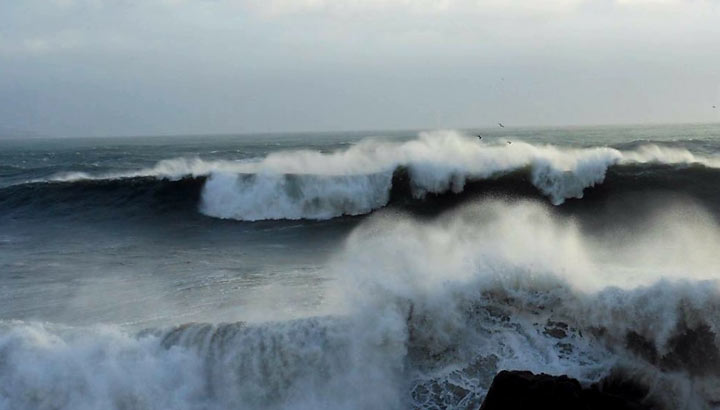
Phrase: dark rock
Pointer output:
(616, 388)
(525, 390)
(561, 325)
(693, 350)
(641, 346)
(519, 390)
(555, 332)
(558, 330)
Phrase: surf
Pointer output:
(373, 174)
(422, 313)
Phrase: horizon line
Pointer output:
(32, 135)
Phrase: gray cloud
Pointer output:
(118, 67)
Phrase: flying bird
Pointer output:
(501, 125)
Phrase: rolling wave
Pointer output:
(371, 175)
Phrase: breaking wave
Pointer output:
(313, 185)
(426, 313)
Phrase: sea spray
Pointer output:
(424, 314)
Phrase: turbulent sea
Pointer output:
(357, 270)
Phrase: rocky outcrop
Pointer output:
(693, 350)
(520, 390)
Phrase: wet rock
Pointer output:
(525, 390)
(693, 350)
(519, 390)
(617, 386)
(557, 330)
(642, 347)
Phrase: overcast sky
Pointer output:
(139, 67)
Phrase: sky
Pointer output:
(146, 67)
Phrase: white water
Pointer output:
(279, 196)
(416, 304)
(484, 285)
(313, 185)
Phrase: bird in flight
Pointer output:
(501, 125)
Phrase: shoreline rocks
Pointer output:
(520, 390)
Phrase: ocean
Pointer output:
(357, 270)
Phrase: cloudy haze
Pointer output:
(128, 67)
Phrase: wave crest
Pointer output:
(436, 163)
(307, 184)
(281, 196)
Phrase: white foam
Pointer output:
(485, 281)
(295, 365)
(416, 303)
(353, 181)
(102, 368)
(279, 196)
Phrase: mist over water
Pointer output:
(397, 272)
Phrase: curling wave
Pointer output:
(358, 180)
(313, 185)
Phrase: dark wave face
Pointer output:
(622, 185)
(110, 198)
(308, 272)
(635, 186)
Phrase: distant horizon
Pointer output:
(35, 135)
